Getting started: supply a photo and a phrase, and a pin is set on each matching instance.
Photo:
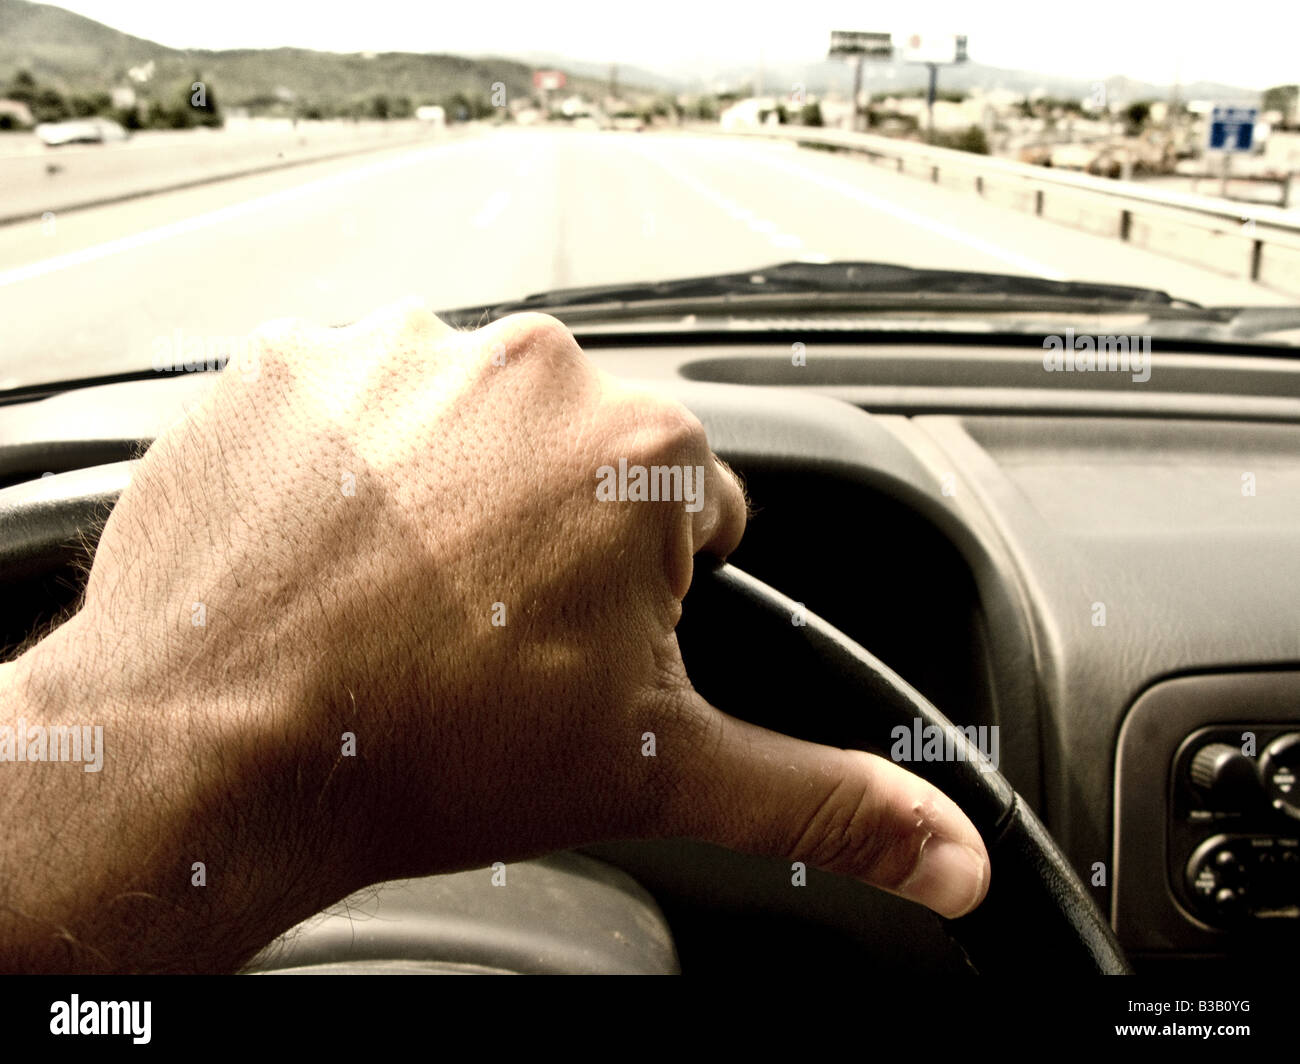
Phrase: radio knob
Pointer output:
(1226, 776)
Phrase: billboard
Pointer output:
(548, 80)
(933, 48)
(856, 42)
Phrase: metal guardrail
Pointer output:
(1258, 242)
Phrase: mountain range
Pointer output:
(75, 53)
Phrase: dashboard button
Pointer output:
(1279, 767)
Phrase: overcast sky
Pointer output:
(1251, 43)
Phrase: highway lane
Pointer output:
(496, 216)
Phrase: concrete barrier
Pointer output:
(35, 179)
(1279, 267)
(1258, 242)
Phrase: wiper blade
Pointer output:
(1260, 321)
(827, 279)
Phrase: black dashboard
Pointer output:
(1105, 570)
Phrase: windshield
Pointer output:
(171, 178)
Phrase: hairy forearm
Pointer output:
(184, 839)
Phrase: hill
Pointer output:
(79, 55)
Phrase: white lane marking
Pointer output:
(528, 165)
(774, 233)
(491, 210)
(222, 214)
(921, 221)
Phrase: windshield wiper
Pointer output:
(830, 281)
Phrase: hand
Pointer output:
(365, 614)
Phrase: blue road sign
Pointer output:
(1233, 128)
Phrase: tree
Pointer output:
(49, 106)
(705, 110)
(23, 88)
(203, 104)
(97, 103)
(1283, 98)
(973, 140)
(457, 106)
(1136, 115)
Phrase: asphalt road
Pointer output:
(496, 216)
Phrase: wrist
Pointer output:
(200, 831)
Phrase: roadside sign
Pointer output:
(934, 48)
(548, 80)
(1233, 128)
(854, 42)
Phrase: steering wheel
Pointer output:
(1038, 916)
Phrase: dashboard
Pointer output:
(1107, 571)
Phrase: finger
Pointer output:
(711, 513)
(720, 524)
(844, 811)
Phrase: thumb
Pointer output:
(844, 811)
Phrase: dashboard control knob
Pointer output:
(1226, 776)
(1279, 769)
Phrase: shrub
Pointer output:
(811, 115)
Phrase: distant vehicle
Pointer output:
(629, 121)
(434, 115)
(80, 131)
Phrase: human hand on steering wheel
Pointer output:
(369, 613)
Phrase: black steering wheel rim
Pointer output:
(45, 525)
(1038, 915)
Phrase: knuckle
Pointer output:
(660, 429)
(285, 334)
(392, 322)
(282, 344)
(268, 357)
(535, 337)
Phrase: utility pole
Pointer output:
(927, 51)
(860, 45)
(929, 102)
(857, 92)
